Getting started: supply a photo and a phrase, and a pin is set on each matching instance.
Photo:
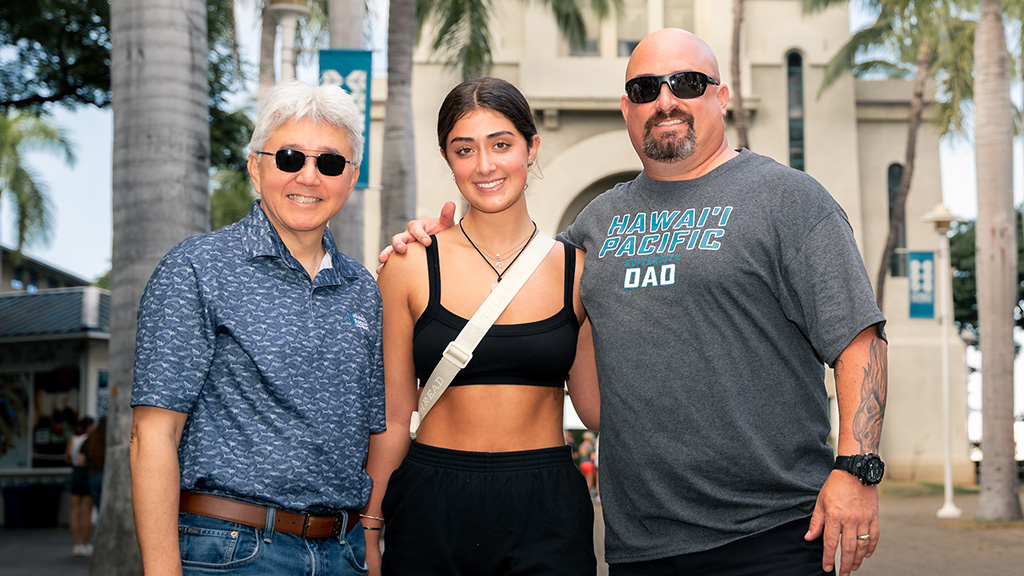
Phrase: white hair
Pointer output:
(294, 100)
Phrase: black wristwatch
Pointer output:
(868, 468)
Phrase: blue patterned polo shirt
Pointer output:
(282, 377)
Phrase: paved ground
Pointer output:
(914, 543)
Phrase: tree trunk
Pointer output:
(398, 181)
(346, 18)
(996, 253)
(739, 113)
(900, 204)
(161, 159)
(268, 38)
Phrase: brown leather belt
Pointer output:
(304, 525)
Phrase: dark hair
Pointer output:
(489, 94)
(83, 425)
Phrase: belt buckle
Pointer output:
(338, 527)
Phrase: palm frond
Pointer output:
(32, 206)
(569, 19)
(462, 35)
(954, 68)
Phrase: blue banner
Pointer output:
(921, 274)
(350, 69)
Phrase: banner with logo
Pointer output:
(350, 69)
(921, 274)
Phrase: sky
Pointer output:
(81, 194)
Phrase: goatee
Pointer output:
(670, 147)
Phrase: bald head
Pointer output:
(677, 136)
(671, 45)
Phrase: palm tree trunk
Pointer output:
(160, 196)
(996, 253)
(398, 181)
(739, 113)
(346, 18)
(268, 37)
(899, 205)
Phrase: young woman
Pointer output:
(489, 485)
(80, 521)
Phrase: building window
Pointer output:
(898, 262)
(795, 98)
(631, 26)
(679, 14)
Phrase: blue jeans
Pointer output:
(212, 546)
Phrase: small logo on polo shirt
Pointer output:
(358, 321)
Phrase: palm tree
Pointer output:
(463, 36)
(739, 112)
(21, 131)
(1013, 11)
(160, 196)
(914, 39)
(996, 257)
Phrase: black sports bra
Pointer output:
(533, 354)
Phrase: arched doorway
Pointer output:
(589, 193)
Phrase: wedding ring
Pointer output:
(864, 537)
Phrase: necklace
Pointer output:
(497, 257)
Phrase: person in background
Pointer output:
(585, 459)
(718, 283)
(95, 450)
(489, 487)
(258, 367)
(570, 441)
(80, 518)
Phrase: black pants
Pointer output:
(477, 514)
(781, 551)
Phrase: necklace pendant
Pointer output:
(499, 264)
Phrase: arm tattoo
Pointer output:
(867, 422)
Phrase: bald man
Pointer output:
(719, 283)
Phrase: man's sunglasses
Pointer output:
(328, 163)
(684, 85)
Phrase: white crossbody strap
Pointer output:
(460, 351)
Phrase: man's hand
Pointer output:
(418, 231)
(845, 510)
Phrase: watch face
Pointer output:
(870, 469)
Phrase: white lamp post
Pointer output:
(288, 13)
(943, 221)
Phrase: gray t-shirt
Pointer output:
(715, 303)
